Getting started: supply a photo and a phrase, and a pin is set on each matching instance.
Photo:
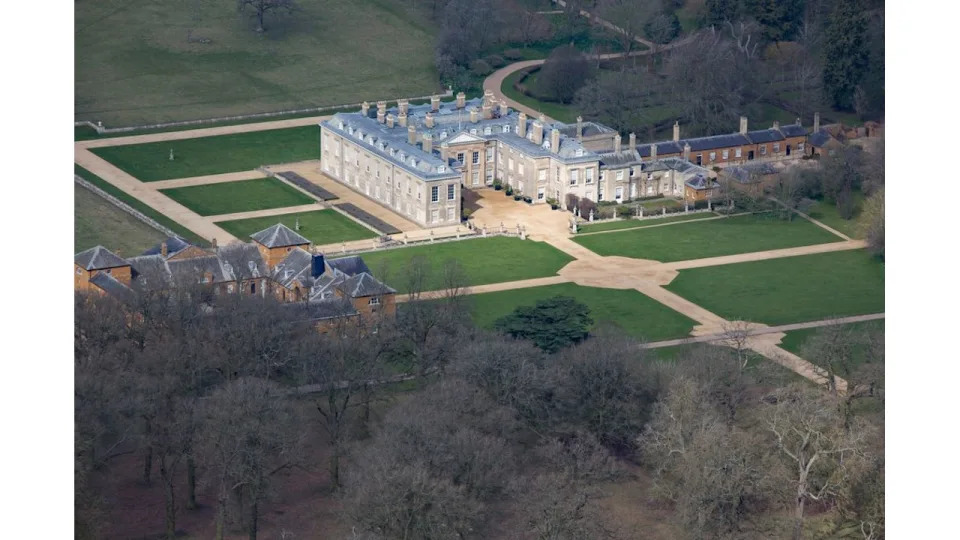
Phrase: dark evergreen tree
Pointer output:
(781, 19)
(846, 53)
(552, 324)
(716, 12)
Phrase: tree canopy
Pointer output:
(551, 324)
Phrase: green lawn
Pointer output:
(794, 340)
(136, 204)
(97, 222)
(214, 155)
(738, 234)
(484, 260)
(826, 212)
(634, 223)
(558, 111)
(320, 226)
(135, 65)
(788, 290)
(633, 312)
(241, 196)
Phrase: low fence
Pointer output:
(123, 206)
(379, 244)
(99, 127)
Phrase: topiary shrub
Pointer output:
(495, 61)
(480, 68)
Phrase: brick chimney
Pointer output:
(633, 142)
(653, 152)
(411, 135)
(390, 120)
(798, 121)
(487, 110)
(504, 109)
(579, 128)
(616, 143)
(474, 115)
(743, 125)
(434, 103)
(365, 108)
(381, 115)
(403, 105)
(816, 122)
(402, 119)
(428, 120)
(488, 97)
(522, 124)
(537, 132)
(676, 131)
(461, 100)
(163, 249)
(427, 143)
(555, 140)
(686, 151)
(213, 243)
(776, 124)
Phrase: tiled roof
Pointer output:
(319, 310)
(363, 285)
(793, 130)
(350, 266)
(702, 182)
(295, 268)
(279, 235)
(764, 136)
(663, 148)
(112, 286)
(715, 141)
(97, 258)
(175, 244)
(820, 138)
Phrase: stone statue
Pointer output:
(171, 154)
(591, 215)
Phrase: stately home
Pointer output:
(278, 262)
(414, 159)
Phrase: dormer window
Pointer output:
(440, 169)
(443, 134)
(487, 130)
(473, 131)
(579, 152)
(340, 125)
(546, 145)
(403, 156)
(506, 128)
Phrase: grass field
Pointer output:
(633, 312)
(557, 111)
(150, 162)
(483, 260)
(135, 64)
(634, 223)
(738, 234)
(97, 222)
(320, 226)
(794, 341)
(788, 290)
(826, 212)
(136, 204)
(241, 196)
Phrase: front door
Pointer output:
(788, 149)
(699, 159)
(750, 155)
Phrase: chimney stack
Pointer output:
(579, 128)
(403, 105)
(686, 151)
(411, 134)
(522, 124)
(365, 108)
(474, 115)
(163, 249)
(798, 121)
(428, 120)
(445, 152)
(434, 103)
(390, 120)
(653, 152)
(213, 243)
(555, 140)
(633, 142)
(504, 110)
(487, 110)
(776, 124)
(616, 143)
(537, 132)
(381, 115)
(743, 125)
(461, 100)
(676, 131)
(488, 97)
(543, 118)
(402, 119)
(816, 122)
(428, 143)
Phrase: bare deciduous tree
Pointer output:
(262, 7)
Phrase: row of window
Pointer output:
(451, 192)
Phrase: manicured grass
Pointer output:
(788, 290)
(135, 65)
(794, 340)
(826, 212)
(97, 222)
(214, 155)
(633, 223)
(483, 260)
(558, 111)
(738, 234)
(136, 204)
(320, 226)
(241, 196)
(633, 312)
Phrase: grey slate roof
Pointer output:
(663, 148)
(175, 245)
(279, 235)
(97, 258)
(616, 160)
(244, 254)
(702, 182)
(295, 268)
(322, 309)
(112, 286)
(672, 163)
(153, 271)
(715, 141)
(350, 266)
(765, 135)
(820, 138)
(364, 285)
(793, 130)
